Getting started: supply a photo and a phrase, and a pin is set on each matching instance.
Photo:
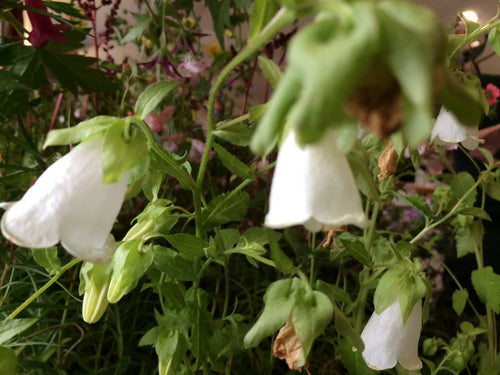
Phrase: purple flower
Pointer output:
(43, 28)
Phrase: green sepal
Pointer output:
(279, 300)
(388, 288)
(124, 148)
(78, 133)
(94, 282)
(310, 315)
(130, 263)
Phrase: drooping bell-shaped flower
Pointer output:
(69, 204)
(448, 131)
(388, 340)
(314, 186)
(43, 28)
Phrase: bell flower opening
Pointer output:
(69, 204)
(314, 186)
(388, 340)
(448, 131)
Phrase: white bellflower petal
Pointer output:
(69, 204)
(448, 131)
(314, 186)
(387, 340)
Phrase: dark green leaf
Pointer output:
(225, 208)
(173, 265)
(418, 203)
(232, 163)
(13, 327)
(187, 243)
(357, 250)
(459, 300)
(238, 134)
(8, 361)
(487, 284)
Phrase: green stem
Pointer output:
(452, 212)
(281, 18)
(59, 273)
(475, 34)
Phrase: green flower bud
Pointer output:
(130, 262)
(94, 282)
(430, 346)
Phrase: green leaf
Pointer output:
(359, 161)
(238, 133)
(151, 97)
(493, 188)
(225, 208)
(279, 300)
(174, 166)
(356, 249)
(418, 203)
(271, 70)
(494, 39)
(262, 236)
(459, 300)
(173, 264)
(345, 328)
(170, 347)
(136, 32)
(79, 132)
(487, 284)
(232, 163)
(310, 316)
(261, 13)
(465, 241)
(334, 292)
(460, 184)
(282, 262)
(187, 244)
(122, 152)
(12, 327)
(475, 211)
(352, 360)
(73, 71)
(411, 44)
(47, 258)
(8, 361)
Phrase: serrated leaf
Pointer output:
(359, 161)
(465, 241)
(173, 265)
(282, 262)
(487, 284)
(262, 236)
(418, 203)
(271, 70)
(225, 208)
(232, 163)
(187, 243)
(357, 250)
(459, 299)
(12, 327)
(238, 134)
(460, 184)
(475, 211)
(151, 97)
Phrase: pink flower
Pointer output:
(43, 28)
(492, 93)
(160, 122)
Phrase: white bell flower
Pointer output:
(448, 131)
(387, 340)
(69, 204)
(314, 186)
